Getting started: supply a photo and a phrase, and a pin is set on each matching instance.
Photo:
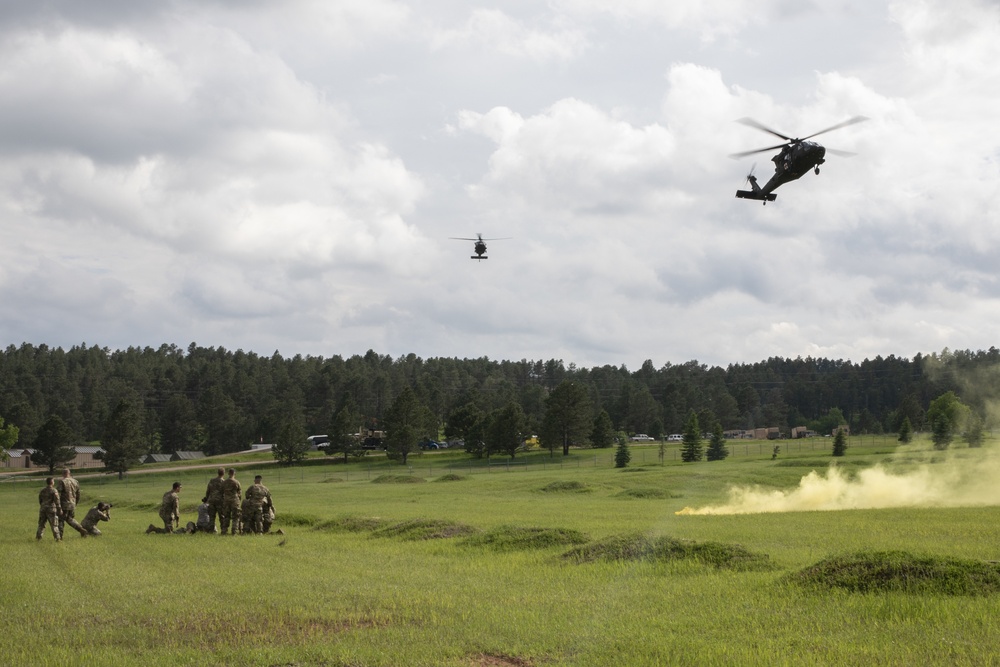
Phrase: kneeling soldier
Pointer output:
(169, 511)
(100, 513)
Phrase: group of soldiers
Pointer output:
(238, 514)
(57, 507)
(252, 513)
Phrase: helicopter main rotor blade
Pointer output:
(852, 121)
(840, 153)
(737, 156)
(764, 128)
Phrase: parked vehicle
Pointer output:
(675, 437)
(642, 437)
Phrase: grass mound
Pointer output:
(397, 479)
(568, 485)
(288, 519)
(425, 529)
(625, 470)
(351, 524)
(638, 547)
(648, 493)
(520, 538)
(450, 477)
(900, 571)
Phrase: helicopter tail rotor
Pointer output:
(755, 192)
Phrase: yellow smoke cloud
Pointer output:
(955, 482)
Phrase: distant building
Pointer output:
(156, 458)
(85, 458)
(187, 456)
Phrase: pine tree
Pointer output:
(604, 433)
(53, 446)
(840, 443)
(905, 431)
(122, 442)
(291, 445)
(691, 446)
(941, 433)
(974, 431)
(622, 455)
(717, 449)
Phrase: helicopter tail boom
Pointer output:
(757, 193)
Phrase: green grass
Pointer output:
(359, 579)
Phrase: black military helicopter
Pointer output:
(480, 244)
(797, 156)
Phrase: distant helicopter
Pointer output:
(480, 245)
(797, 156)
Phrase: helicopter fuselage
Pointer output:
(793, 162)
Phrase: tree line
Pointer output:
(216, 400)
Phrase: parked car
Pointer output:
(675, 437)
(642, 437)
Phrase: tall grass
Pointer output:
(348, 583)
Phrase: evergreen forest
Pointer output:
(219, 401)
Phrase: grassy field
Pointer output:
(544, 562)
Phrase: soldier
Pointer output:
(48, 510)
(246, 515)
(231, 492)
(169, 511)
(206, 519)
(214, 495)
(259, 497)
(268, 516)
(69, 495)
(100, 513)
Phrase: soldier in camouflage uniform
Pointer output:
(268, 516)
(169, 511)
(100, 513)
(206, 523)
(48, 510)
(69, 496)
(246, 514)
(214, 495)
(259, 497)
(231, 492)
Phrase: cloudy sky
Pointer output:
(286, 176)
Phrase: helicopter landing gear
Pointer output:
(816, 171)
